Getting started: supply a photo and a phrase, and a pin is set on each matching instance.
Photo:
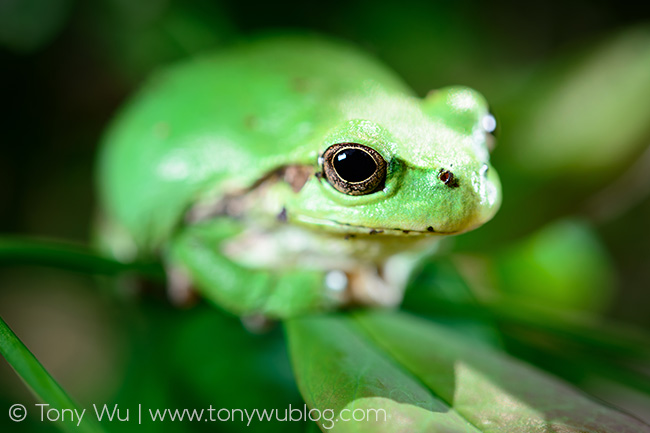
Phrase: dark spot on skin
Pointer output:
(348, 237)
(430, 229)
(448, 178)
(282, 216)
(374, 232)
(318, 175)
(297, 176)
(406, 232)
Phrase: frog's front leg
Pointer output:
(383, 285)
(197, 252)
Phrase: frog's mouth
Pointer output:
(355, 229)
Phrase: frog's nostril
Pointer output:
(448, 178)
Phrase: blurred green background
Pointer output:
(568, 82)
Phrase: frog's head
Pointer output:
(403, 166)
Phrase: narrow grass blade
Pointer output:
(39, 381)
(32, 252)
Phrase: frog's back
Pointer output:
(223, 121)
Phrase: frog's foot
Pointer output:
(367, 287)
(179, 287)
(258, 323)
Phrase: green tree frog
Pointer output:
(291, 175)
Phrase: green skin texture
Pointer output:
(212, 127)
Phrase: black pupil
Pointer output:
(354, 165)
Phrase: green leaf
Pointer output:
(574, 362)
(587, 115)
(492, 390)
(444, 290)
(576, 346)
(387, 360)
(339, 369)
(39, 381)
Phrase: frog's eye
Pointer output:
(354, 169)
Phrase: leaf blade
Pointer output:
(492, 390)
(337, 368)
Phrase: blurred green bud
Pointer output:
(563, 265)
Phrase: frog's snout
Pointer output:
(452, 200)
